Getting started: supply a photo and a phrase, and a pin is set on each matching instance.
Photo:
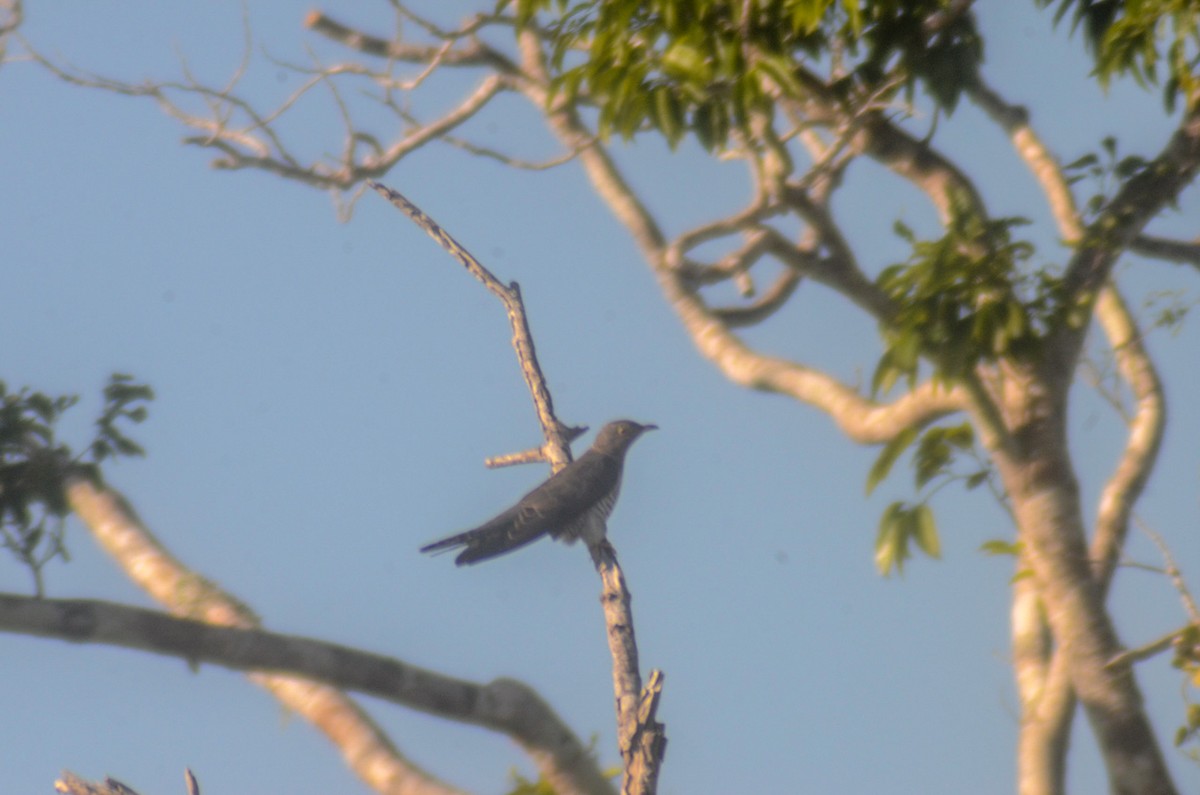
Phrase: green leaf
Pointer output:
(976, 479)
(999, 547)
(1089, 159)
(885, 375)
(887, 457)
(891, 547)
(668, 114)
(1128, 166)
(924, 530)
(781, 71)
(932, 457)
(854, 17)
(684, 61)
(703, 126)
(961, 436)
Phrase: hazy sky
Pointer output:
(327, 392)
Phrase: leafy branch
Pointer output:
(33, 463)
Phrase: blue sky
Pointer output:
(327, 392)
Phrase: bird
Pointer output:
(573, 503)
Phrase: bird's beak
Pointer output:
(650, 427)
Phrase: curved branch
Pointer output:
(470, 53)
(861, 419)
(834, 272)
(1144, 438)
(839, 269)
(915, 160)
(1044, 689)
(948, 188)
(866, 129)
(1044, 166)
(504, 705)
(506, 159)
(363, 745)
(771, 301)
(734, 265)
(349, 173)
(249, 139)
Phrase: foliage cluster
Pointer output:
(33, 463)
(707, 67)
(1125, 38)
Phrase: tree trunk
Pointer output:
(1040, 481)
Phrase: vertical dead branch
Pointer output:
(641, 738)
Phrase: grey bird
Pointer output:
(573, 503)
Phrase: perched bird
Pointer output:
(572, 504)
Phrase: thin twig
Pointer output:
(556, 449)
(1146, 651)
(1172, 570)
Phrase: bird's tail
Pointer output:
(446, 544)
(483, 543)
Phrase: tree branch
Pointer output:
(1172, 570)
(504, 705)
(1119, 224)
(556, 449)
(469, 53)
(1182, 252)
(1044, 689)
(1044, 166)
(1047, 724)
(638, 733)
(1144, 437)
(363, 745)
(71, 784)
(1148, 650)
(11, 17)
(640, 737)
(862, 420)
(922, 165)
(249, 139)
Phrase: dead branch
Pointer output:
(633, 723)
(1172, 570)
(72, 784)
(469, 53)
(556, 450)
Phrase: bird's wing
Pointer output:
(552, 505)
(569, 493)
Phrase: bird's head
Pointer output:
(616, 437)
